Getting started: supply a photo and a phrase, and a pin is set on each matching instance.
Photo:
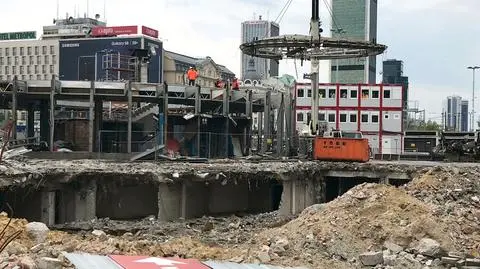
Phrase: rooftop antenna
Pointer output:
(58, 9)
(87, 8)
(105, 10)
(254, 15)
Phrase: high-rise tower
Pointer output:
(257, 68)
(354, 19)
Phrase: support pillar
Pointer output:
(266, 120)
(129, 114)
(30, 120)
(48, 208)
(98, 123)
(280, 127)
(91, 117)
(52, 112)
(14, 107)
(226, 112)
(86, 202)
(248, 131)
(198, 111)
(170, 201)
(44, 121)
(260, 132)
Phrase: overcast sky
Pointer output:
(436, 39)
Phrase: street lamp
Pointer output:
(338, 31)
(473, 68)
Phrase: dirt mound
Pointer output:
(363, 219)
(454, 196)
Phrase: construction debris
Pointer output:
(432, 222)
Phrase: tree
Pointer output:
(429, 126)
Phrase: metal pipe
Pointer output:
(472, 124)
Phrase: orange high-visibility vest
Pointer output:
(192, 74)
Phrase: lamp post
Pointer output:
(338, 31)
(473, 68)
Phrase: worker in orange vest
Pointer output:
(235, 84)
(192, 75)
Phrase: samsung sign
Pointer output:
(88, 59)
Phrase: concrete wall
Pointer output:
(132, 201)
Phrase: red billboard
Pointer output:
(149, 32)
(114, 30)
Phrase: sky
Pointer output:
(436, 39)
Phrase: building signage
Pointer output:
(149, 32)
(115, 30)
(18, 35)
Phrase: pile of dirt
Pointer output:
(413, 226)
(361, 220)
(454, 196)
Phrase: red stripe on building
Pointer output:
(350, 108)
(337, 112)
(380, 126)
(359, 108)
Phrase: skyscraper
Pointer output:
(254, 68)
(455, 114)
(354, 19)
(393, 74)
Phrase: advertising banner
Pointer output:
(114, 30)
(149, 32)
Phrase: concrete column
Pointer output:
(280, 127)
(48, 207)
(91, 117)
(198, 111)
(98, 119)
(286, 204)
(170, 201)
(14, 107)
(86, 202)
(266, 120)
(226, 112)
(129, 114)
(52, 112)
(30, 120)
(248, 129)
(44, 122)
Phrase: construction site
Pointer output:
(124, 170)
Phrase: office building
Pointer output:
(357, 20)
(393, 74)
(375, 110)
(176, 67)
(455, 114)
(464, 116)
(253, 68)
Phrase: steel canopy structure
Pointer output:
(313, 48)
(305, 47)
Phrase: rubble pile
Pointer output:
(455, 197)
(432, 222)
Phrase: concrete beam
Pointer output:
(367, 174)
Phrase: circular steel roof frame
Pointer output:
(304, 47)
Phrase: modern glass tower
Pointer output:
(354, 19)
(254, 68)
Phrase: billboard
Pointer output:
(18, 35)
(114, 30)
(107, 59)
(149, 32)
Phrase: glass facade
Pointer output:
(357, 20)
(252, 67)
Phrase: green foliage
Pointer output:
(429, 126)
